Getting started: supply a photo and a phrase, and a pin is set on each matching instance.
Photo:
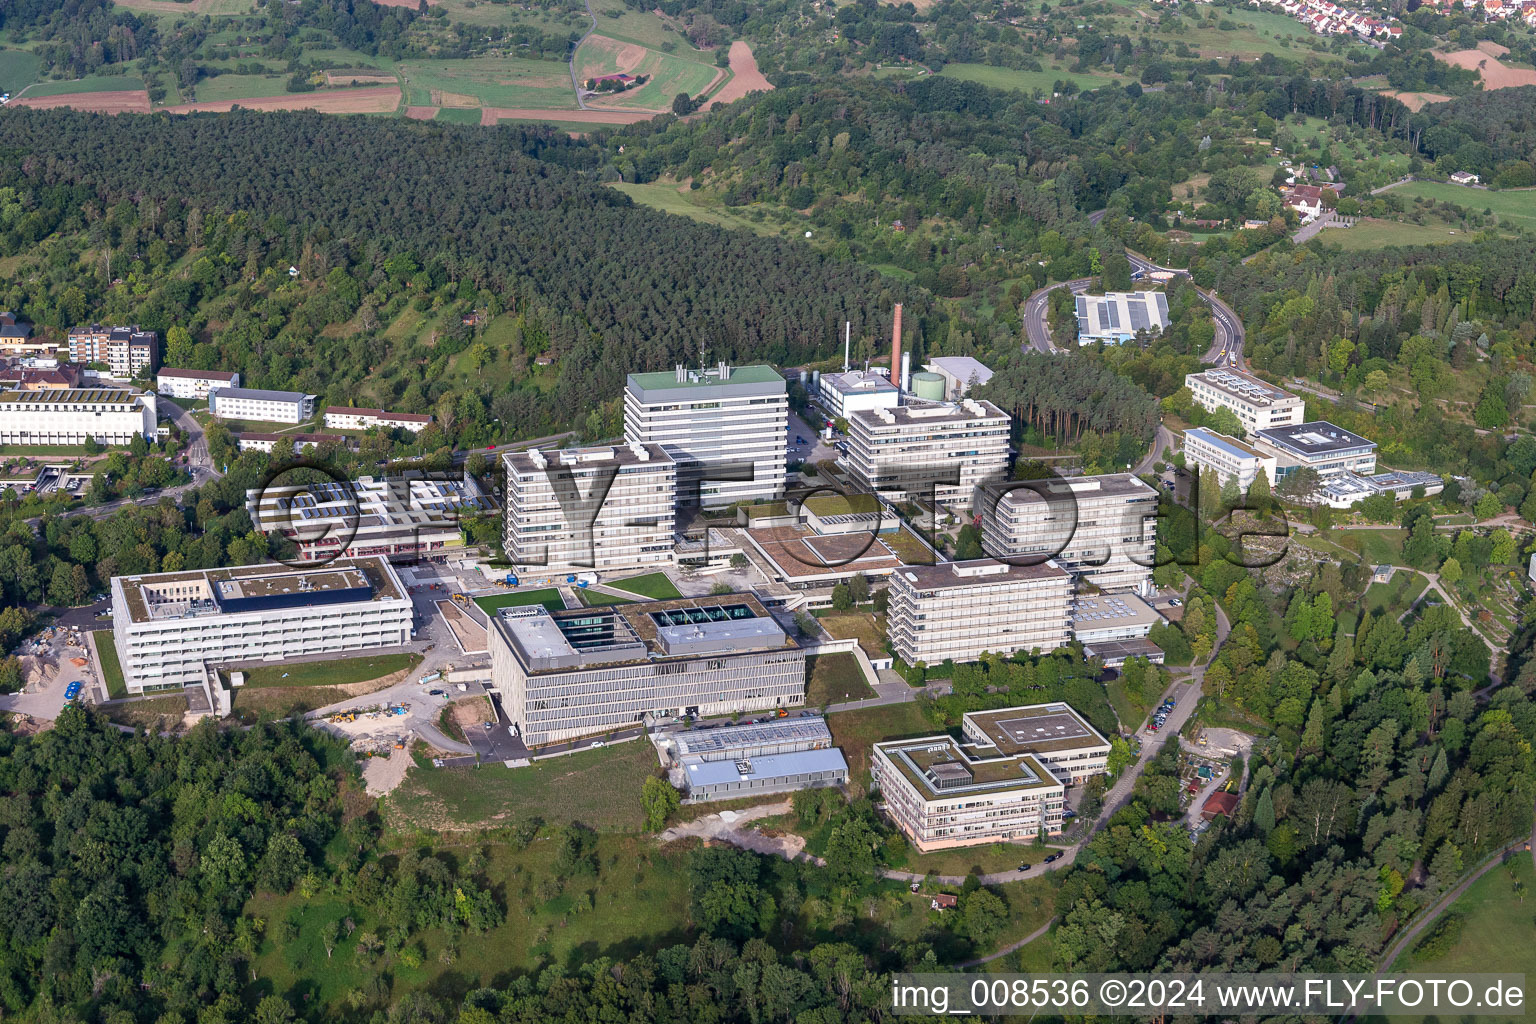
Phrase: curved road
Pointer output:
(575, 85)
(1227, 349)
(1036, 330)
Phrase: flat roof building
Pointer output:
(169, 627)
(1256, 404)
(194, 385)
(1054, 734)
(394, 517)
(261, 405)
(585, 671)
(259, 441)
(1226, 456)
(960, 374)
(956, 611)
(1102, 529)
(126, 351)
(725, 428)
(842, 394)
(1117, 317)
(341, 417)
(1320, 446)
(1106, 618)
(110, 416)
(929, 451)
(605, 507)
(777, 756)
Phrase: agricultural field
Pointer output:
(506, 13)
(488, 82)
(1514, 208)
(616, 20)
(599, 788)
(94, 83)
(667, 74)
(1023, 81)
(239, 87)
(212, 8)
(458, 115)
(18, 69)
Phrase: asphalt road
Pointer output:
(1227, 349)
(1036, 330)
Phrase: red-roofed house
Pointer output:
(341, 417)
(1219, 803)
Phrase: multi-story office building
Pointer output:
(112, 416)
(957, 610)
(194, 385)
(608, 507)
(340, 417)
(1102, 529)
(1054, 734)
(126, 351)
(725, 428)
(936, 451)
(585, 671)
(1117, 317)
(395, 517)
(169, 626)
(1319, 445)
(263, 406)
(1226, 456)
(1256, 404)
(842, 394)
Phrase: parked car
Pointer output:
(598, 743)
(1025, 867)
(1053, 858)
(1175, 602)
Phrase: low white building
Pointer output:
(1320, 446)
(170, 627)
(261, 405)
(1114, 627)
(257, 441)
(960, 374)
(1257, 405)
(1117, 317)
(194, 385)
(956, 611)
(110, 416)
(1226, 456)
(340, 417)
(843, 394)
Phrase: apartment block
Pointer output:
(1319, 445)
(1226, 456)
(340, 417)
(126, 351)
(724, 427)
(393, 517)
(1102, 529)
(111, 416)
(607, 507)
(169, 627)
(931, 450)
(585, 671)
(261, 405)
(194, 385)
(958, 610)
(1257, 405)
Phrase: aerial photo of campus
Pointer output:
(531, 511)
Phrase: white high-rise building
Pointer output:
(955, 611)
(917, 450)
(1257, 405)
(608, 507)
(724, 426)
(169, 626)
(1102, 529)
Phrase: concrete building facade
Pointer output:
(261, 405)
(958, 610)
(842, 394)
(1256, 404)
(715, 423)
(1226, 456)
(777, 756)
(585, 671)
(1320, 446)
(1102, 529)
(126, 351)
(931, 451)
(606, 507)
(110, 416)
(168, 627)
(194, 385)
(340, 417)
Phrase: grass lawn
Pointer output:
(95, 83)
(856, 731)
(240, 87)
(835, 678)
(641, 905)
(1398, 593)
(18, 69)
(575, 127)
(1517, 208)
(156, 714)
(1022, 81)
(906, 545)
(1130, 713)
(111, 668)
(488, 82)
(336, 672)
(599, 788)
(664, 196)
(1371, 233)
(981, 860)
(865, 627)
(1377, 547)
(549, 597)
(46, 449)
(595, 598)
(654, 585)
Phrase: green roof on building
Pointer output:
(666, 380)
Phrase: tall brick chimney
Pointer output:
(896, 349)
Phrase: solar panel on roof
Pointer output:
(1162, 304)
(1113, 309)
(1082, 307)
(1139, 320)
